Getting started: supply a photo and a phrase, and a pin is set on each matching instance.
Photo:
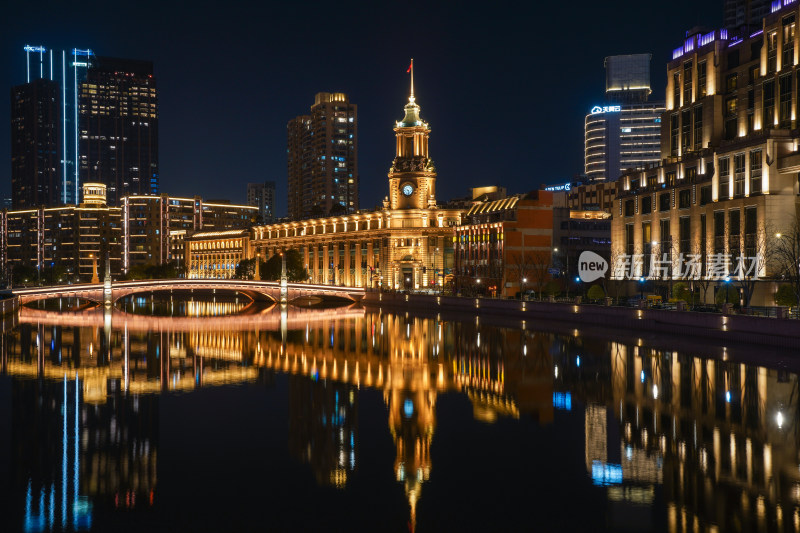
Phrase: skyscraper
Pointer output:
(625, 132)
(34, 101)
(739, 13)
(262, 195)
(323, 158)
(118, 123)
(35, 164)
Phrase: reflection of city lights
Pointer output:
(728, 396)
(578, 361)
(655, 392)
(779, 419)
(641, 376)
(408, 408)
(556, 370)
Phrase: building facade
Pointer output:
(216, 254)
(154, 227)
(322, 150)
(35, 136)
(118, 120)
(73, 239)
(504, 247)
(728, 182)
(262, 196)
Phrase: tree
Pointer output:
(681, 291)
(615, 279)
(786, 256)
(246, 269)
(295, 271)
(165, 271)
(785, 296)
(530, 265)
(596, 292)
(747, 270)
(732, 295)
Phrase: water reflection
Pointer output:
(692, 440)
(174, 303)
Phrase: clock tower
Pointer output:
(412, 178)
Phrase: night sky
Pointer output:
(505, 87)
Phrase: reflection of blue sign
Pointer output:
(606, 473)
(606, 109)
(564, 187)
(562, 400)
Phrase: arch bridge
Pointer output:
(258, 290)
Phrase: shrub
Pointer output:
(552, 288)
(596, 292)
(785, 296)
(680, 291)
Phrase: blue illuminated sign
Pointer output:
(564, 187)
(606, 109)
(40, 49)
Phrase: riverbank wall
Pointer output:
(727, 329)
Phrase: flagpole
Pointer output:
(411, 99)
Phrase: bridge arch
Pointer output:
(269, 290)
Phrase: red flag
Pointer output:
(409, 67)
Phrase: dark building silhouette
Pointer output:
(322, 150)
(35, 162)
(118, 125)
(737, 13)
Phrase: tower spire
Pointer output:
(411, 69)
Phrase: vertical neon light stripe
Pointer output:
(64, 125)
(75, 100)
(41, 63)
(51, 65)
(64, 460)
(75, 460)
(28, 63)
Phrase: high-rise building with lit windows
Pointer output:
(35, 164)
(322, 150)
(262, 196)
(623, 133)
(118, 122)
(81, 118)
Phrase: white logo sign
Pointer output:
(591, 267)
(606, 109)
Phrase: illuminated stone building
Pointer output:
(154, 227)
(322, 150)
(72, 237)
(216, 254)
(729, 150)
(402, 246)
(504, 242)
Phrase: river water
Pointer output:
(210, 413)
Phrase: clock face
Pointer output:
(408, 189)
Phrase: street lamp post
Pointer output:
(641, 288)
(522, 288)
